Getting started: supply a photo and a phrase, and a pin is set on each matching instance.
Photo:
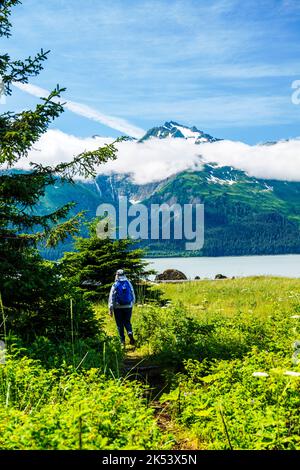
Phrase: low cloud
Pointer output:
(151, 161)
(279, 161)
(157, 159)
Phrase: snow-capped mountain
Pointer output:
(244, 215)
(179, 131)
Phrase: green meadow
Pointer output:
(225, 375)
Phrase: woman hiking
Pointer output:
(120, 304)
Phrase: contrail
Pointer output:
(86, 111)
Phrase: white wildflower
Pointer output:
(260, 374)
(295, 359)
(292, 373)
(295, 316)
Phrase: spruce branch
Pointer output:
(5, 12)
(20, 70)
(62, 231)
(18, 132)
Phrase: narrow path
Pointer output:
(137, 367)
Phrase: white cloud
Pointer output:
(55, 146)
(86, 111)
(157, 159)
(280, 161)
(151, 161)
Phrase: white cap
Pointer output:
(120, 272)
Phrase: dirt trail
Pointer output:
(137, 367)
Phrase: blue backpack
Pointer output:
(123, 293)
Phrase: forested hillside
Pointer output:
(243, 215)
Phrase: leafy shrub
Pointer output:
(175, 333)
(103, 353)
(65, 409)
(228, 407)
(171, 334)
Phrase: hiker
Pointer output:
(120, 303)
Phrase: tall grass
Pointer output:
(207, 337)
(72, 329)
(3, 319)
(220, 337)
(67, 409)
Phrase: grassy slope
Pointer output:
(258, 413)
(253, 295)
(245, 326)
(252, 298)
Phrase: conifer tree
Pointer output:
(92, 267)
(25, 277)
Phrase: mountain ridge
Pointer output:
(244, 215)
(175, 130)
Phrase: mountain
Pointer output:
(243, 215)
(175, 130)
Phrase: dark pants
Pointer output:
(122, 317)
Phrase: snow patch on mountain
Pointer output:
(268, 188)
(178, 131)
(187, 132)
(216, 180)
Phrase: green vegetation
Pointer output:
(243, 215)
(60, 384)
(212, 340)
(72, 409)
(98, 259)
(228, 375)
(225, 354)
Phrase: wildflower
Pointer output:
(295, 316)
(292, 373)
(260, 374)
(295, 359)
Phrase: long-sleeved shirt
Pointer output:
(112, 303)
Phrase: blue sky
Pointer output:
(225, 66)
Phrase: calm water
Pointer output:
(279, 265)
